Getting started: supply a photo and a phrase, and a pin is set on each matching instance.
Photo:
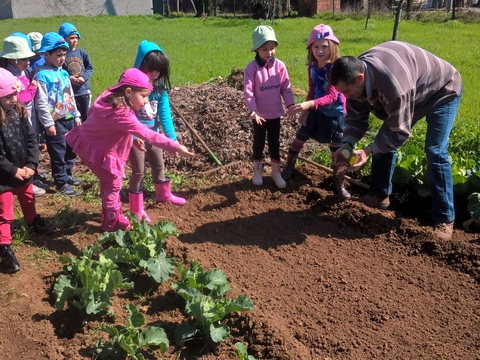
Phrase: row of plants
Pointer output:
(89, 282)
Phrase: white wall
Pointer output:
(42, 8)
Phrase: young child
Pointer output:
(18, 161)
(152, 61)
(104, 141)
(322, 115)
(80, 68)
(15, 57)
(41, 177)
(266, 82)
(56, 111)
(36, 40)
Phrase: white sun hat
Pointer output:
(16, 47)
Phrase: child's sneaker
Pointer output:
(43, 175)
(74, 181)
(67, 190)
(8, 259)
(39, 226)
(40, 184)
(38, 191)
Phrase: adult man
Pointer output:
(400, 84)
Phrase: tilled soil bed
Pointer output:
(329, 279)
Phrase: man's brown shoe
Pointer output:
(375, 201)
(443, 231)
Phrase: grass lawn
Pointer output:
(200, 51)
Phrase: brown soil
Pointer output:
(329, 279)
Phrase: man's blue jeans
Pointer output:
(439, 170)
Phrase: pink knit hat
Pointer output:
(322, 32)
(133, 77)
(9, 83)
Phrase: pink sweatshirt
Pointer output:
(28, 94)
(106, 138)
(264, 88)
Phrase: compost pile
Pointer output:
(220, 117)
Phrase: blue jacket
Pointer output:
(157, 112)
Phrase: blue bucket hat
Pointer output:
(26, 37)
(67, 29)
(52, 41)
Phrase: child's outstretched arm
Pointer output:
(182, 150)
(130, 124)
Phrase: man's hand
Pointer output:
(362, 156)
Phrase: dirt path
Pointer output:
(329, 279)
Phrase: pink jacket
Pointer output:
(28, 92)
(264, 88)
(106, 138)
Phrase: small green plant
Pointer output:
(242, 352)
(20, 233)
(141, 249)
(204, 293)
(91, 189)
(87, 284)
(130, 340)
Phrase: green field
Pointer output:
(200, 51)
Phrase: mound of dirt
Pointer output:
(219, 116)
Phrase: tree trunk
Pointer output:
(398, 14)
(408, 9)
(369, 7)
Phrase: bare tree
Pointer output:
(267, 9)
(398, 15)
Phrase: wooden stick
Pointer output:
(327, 169)
(223, 167)
(192, 129)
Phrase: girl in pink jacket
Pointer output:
(104, 141)
(266, 82)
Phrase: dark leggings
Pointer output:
(271, 130)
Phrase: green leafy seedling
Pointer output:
(130, 340)
(242, 352)
(204, 293)
(141, 249)
(88, 284)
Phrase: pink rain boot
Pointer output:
(136, 206)
(114, 220)
(163, 194)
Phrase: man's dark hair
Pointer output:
(346, 69)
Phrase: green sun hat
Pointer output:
(261, 35)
